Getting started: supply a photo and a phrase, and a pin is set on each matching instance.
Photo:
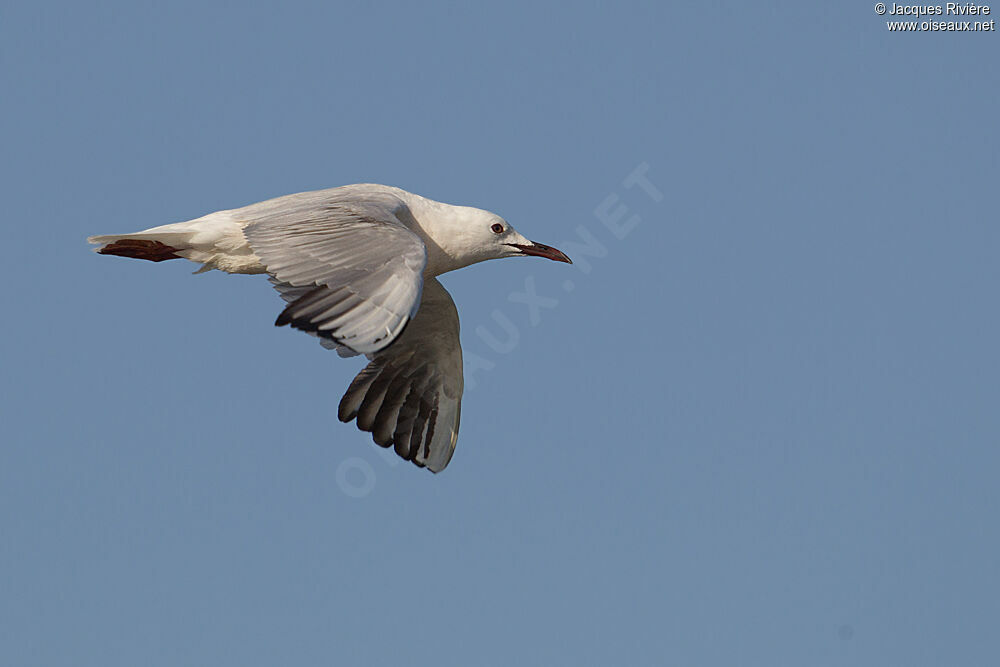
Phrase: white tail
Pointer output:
(216, 241)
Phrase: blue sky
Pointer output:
(758, 428)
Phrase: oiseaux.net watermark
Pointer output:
(949, 17)
(615, 220)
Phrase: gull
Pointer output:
(357, 266)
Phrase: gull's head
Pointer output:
(481, 235)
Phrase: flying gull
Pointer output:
(356, 266)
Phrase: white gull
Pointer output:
(356, 266)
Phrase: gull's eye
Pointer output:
(497, 228)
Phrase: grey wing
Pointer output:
(410, 395)
(355, 269)
(291, 293)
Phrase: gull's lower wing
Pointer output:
(355, 270)
(410, 395)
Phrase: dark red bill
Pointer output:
(542, 250)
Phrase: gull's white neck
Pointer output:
(446, 231)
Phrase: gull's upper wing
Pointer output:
(354, 269)
(291, 293)
(410, 395)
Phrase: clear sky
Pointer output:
(754, 424)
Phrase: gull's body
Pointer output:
(356, 266)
